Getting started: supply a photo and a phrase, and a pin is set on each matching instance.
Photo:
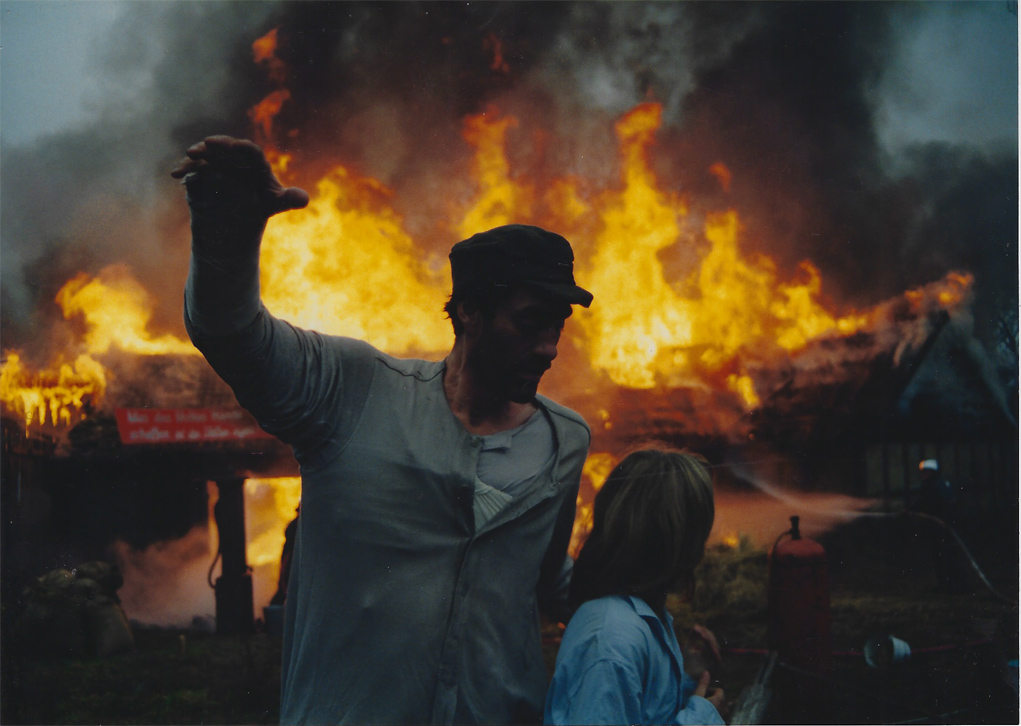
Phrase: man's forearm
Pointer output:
(221, 296)
(222, 292)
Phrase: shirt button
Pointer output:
(453, 643)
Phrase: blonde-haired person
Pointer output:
(620, 662)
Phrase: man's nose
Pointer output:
(546, 344)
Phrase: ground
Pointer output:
(881, 579)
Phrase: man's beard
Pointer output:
(501, 375)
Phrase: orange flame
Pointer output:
(264, 53)
(116, 310)
(345, 266)
(595, 471)
(648, 331)
(60, 391)
(501, 200)
(268, 502)
(264, 49)
(263, 113)
(722, 174)
(492, 42)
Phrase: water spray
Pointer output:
(850, 514)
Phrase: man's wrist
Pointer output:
(231, 237)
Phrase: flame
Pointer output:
(596, 469)
(493, 43)
(722, 174)
(116, 310)
(731, 540)
(264, 49)
(744, 386)
(60, 391)
(648, 331)
(263, 113)
(501, 200)
(345, 266)
(269, 505)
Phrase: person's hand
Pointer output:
(704, 641)
(714, 696)
(225, 176)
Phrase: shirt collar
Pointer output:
(663, 627)
(643, 610)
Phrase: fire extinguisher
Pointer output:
(799, 602)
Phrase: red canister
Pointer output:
(799, 602)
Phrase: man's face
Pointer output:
(518, 344)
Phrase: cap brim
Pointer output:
(563, 291)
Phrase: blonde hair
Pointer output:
(651, 520)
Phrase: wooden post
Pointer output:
(234, 600)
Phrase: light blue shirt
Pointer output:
(620, 664)
(406, 603)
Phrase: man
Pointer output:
(942, 500)
(938, 497)
(437, 497)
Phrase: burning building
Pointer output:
(778, 283)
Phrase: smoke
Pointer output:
(165, 584)
(838, 125)
(80, 199)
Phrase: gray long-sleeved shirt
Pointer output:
(400, 609)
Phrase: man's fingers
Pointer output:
(228, 153)
(290, 198)
(227, 158)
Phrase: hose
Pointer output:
(212, 566)
(960, 543)
(779, 495)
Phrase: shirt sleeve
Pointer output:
(607, 692)
(557, 566)
(291, 380)
(698, 710)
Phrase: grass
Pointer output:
(215, 680)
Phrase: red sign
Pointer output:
(185, 425)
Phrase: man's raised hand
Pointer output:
(232, 176)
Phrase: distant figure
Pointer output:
(939, 498)
(619, 661)
(285, 559)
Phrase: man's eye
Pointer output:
(546, 324)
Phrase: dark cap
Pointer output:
(517, 254)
